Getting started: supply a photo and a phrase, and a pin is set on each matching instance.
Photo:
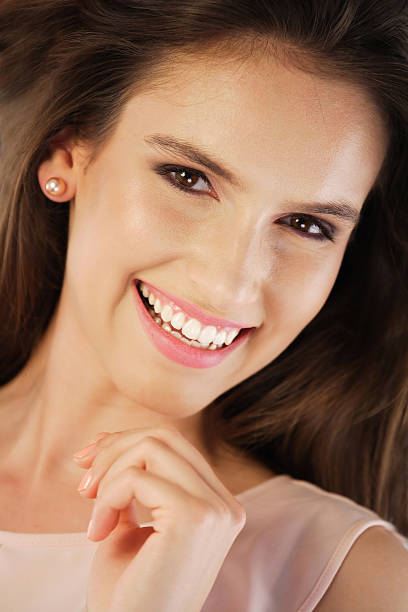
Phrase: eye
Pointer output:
(310, 226)
(192, 181)
(186, 179)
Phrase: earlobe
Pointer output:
(56, 174)
(55, 186)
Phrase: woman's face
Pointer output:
(259, 242)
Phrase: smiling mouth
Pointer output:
(177, 333)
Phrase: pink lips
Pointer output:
(193, 311)
(176, 350)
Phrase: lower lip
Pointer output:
(175, 349)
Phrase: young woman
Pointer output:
(203, 281)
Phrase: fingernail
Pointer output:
(90, 527)
(84, 484)
(84, 451)
(101, 435)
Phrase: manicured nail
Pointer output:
(101, 435)
(84, 451)
(84, 484)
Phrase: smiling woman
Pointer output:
(203, 266)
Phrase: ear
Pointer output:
(59, 165)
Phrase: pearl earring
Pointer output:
(55, 186)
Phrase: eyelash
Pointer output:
(328, 231)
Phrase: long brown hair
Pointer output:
(332, 408)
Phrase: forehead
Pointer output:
(266, 118)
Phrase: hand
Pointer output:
(171, 565)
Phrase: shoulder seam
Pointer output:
(332, 566)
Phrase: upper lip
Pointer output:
(192, 310)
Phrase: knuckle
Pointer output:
(130, 473)
(232, 515)
(223, 512)
(238, 515)
(124, 478)
(148, 442)
(202, 512)
(212, 514)
(216, 516)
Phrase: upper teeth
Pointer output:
(191, 328)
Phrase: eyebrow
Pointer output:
(164, 142)
(337, 208)
(194, 154)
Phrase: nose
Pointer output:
(228, 268)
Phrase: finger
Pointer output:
(150, 490)
(105, 440)
(158, 458)
(85, 455)
(151, 454)
(111, 448)
(108, 451)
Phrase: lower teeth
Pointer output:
(167, 328)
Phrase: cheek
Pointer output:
(293, 297)
(299, 290)
(116, 237)
(311, 282)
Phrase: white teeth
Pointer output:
(178, 335)
(207, 334)
(220, 338)
(196, 334)
(157, 306)
(192, 329)
(185, 340)
(178, 320)
(167, 313)
(231, 336)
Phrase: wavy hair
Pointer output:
(332, 408)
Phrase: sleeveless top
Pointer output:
(295, 539)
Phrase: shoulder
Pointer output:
(372, 578)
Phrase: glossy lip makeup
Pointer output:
(176, 350)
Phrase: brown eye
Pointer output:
(186, 178)
(305, 224)
(309, 227)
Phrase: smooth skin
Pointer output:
(289, 138)
(373, 577)
(195, 521)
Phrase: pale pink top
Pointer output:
(294, 541)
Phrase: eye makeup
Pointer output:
(166, 170)
(326, 231)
